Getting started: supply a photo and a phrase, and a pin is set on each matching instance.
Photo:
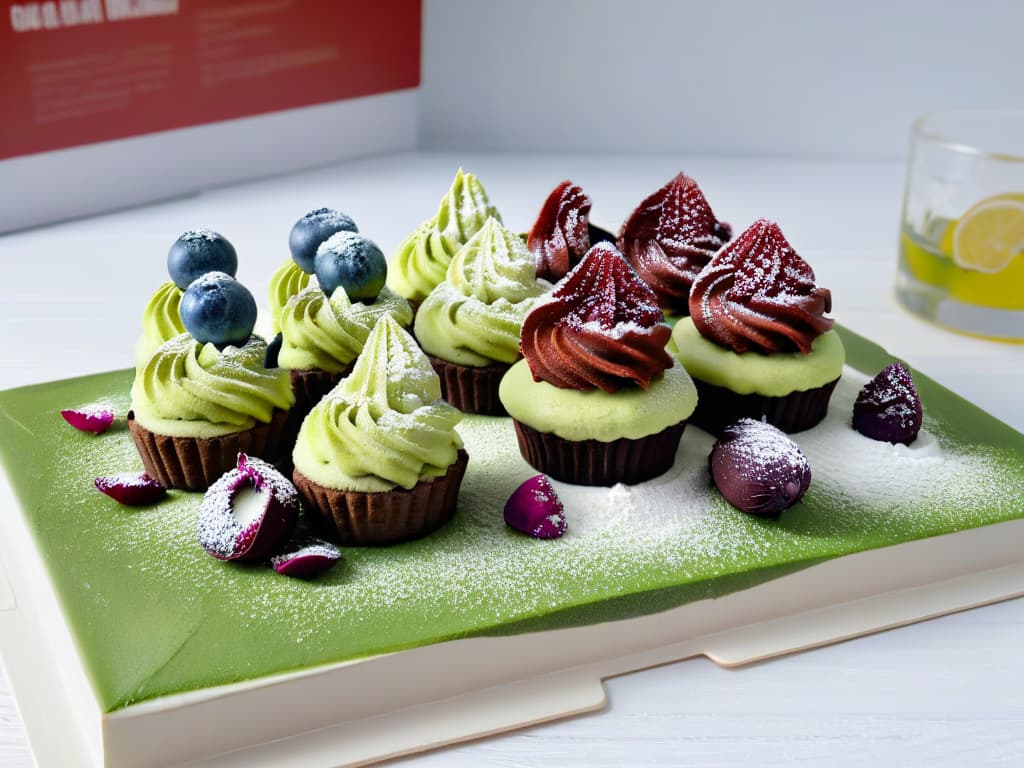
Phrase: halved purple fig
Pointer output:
(888, 408)
(248, 513)
(90, 418)
(535, 509)
(307, 560)
(758, 468)
(132, 489)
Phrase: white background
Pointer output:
(778, 77)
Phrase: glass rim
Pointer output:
(920, 129)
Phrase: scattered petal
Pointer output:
(248, 513)
(91, 418)
(535, 509)
(306, 561)
(133, 489)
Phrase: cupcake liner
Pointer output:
(386, 517)
(471, 389)
(310, 385)
(194, 463)
(718, 407)
(593, 462)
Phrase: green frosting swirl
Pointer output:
(774, 375)
(384, 425)
(288, 280)
(161, 322)
(422, 258)
(594, 414)
(474, 317)
(328, 334)
(188, 389)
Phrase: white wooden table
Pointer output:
(947, 692)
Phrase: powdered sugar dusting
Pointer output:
(199, 234)
(93, 417)
(475, 574)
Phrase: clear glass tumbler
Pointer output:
(961, 255)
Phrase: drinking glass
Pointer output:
(961, 255)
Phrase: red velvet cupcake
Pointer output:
(597, 400)
(757, 341)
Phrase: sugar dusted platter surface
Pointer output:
(150, 610)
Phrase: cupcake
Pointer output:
(205, 395)
(422, 259)
(469, 324)
(378, 458)
(670, 237)
(296, 273)
(562, 233)
(194, 253)
(597, 400)
(324, 326)
(757, 342)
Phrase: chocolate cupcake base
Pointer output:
(194, 463)
(386, 517)
(469, 388)
(718, 407)
(593, 462)
(310, 386)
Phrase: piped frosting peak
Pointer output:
(382, 426)
(757, 294)
(600, 328)
(474, 316)
(423, 257)
(560, 236)
(464, 209)
(669, 238)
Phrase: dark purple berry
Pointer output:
(758, 468)
(249, 513)
(888, 408)
(535, 509)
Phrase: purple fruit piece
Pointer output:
(131, 488)
(535, 509)
(888, 408)
(90, 418)
(248, 513)
(758, 469)
(306, 561)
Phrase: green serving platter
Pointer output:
(152, 614)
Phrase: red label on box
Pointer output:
(75, 72)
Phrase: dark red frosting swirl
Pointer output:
(758, 294)
(600, 328)
(670, 237)
(560, 237)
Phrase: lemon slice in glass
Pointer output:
(990, 235)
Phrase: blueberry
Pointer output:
(312, 229)
(351, 261)
(197, 252)
(273, 350)
(217, 309)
